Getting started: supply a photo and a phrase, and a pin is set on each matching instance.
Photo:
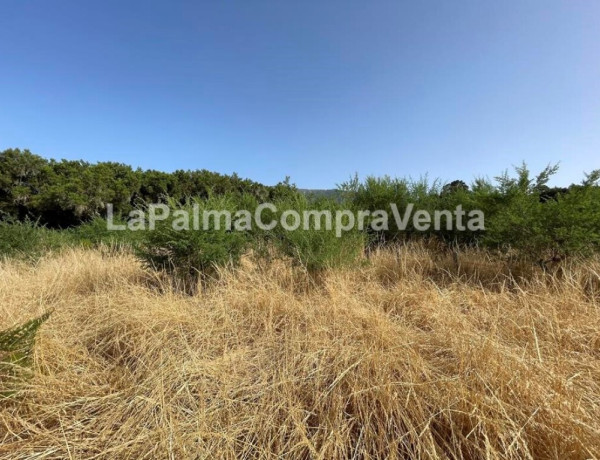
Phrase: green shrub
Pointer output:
(312, 248)
(544, 230)
(28, 239)
(96, 232)
(379, 193)
(573, 220)
(192, 255)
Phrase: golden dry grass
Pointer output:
(398, 358)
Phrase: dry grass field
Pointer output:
(398, 358)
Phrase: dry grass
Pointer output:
(396, 359)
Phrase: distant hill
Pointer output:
(326, 193)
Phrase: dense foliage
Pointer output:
(61, 194)
(524, 217)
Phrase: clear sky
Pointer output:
(316, 90)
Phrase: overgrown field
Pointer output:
(411, 354)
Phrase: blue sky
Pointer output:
(316, 90)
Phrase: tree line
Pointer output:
(66, 193)
(525, 218)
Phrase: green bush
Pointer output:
(379, 193)
(312, 248)
(544, 230)
(96, 232)
(192, 255)
(28, 239)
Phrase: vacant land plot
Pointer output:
(394, 358)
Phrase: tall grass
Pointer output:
(417, 354)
